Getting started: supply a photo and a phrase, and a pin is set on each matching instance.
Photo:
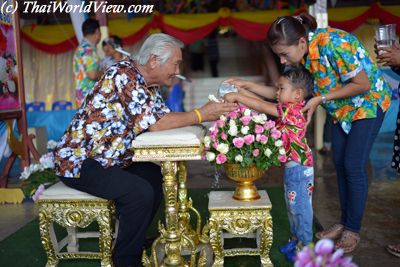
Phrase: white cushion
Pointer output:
(185, 136)
(60, 191)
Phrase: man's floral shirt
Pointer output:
(334, 57)
(120, 107)
(292, 124)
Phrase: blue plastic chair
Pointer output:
(35, 106)
(175, 99)
(61, 105)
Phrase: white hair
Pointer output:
(158, 44)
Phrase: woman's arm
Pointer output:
(357, 85)
(258, 89)
(253, 103)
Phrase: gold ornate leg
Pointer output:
(105, 238)
(172, 233)
(266, 242)
(46, 234)
(183, 212)
(216, 243)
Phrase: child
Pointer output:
(294, 86)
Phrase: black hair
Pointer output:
(90, 26)
(113, 40)
(288, 30)
(301, 78)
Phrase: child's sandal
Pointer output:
(394, 250)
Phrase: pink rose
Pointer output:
(249, 139)
(242, 109)
(215, 144)
(282, 158)
(256, 152)
(258, 129)
(221, 159)
(224, 136)
(245, 120)
(275, 134)
(220, 123)
(262, 138)
(232, 115)
(269, 124)
(238, 142)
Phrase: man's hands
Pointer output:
(213, 110)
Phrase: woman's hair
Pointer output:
(158, 44)
(288, 30)
(300, 77)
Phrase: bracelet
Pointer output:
(198, 115)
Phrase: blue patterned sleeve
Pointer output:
(345, 57)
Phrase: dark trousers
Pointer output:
(350, 155)
(137, 192)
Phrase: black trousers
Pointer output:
(137, 192)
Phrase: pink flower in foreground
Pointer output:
(256, 152)
(242, 109)
(221, 159)
(249, 139)
(238, 142)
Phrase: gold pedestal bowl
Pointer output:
(244, 177)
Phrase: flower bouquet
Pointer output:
(246, 144)
(37, 177)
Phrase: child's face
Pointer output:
(286, 91)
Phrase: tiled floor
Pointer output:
(381, 224)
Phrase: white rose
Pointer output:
(232, 123)
(210, 156)
(245, 130)
(247, 112)
(267, 152)
(261, 118)
(278, 143)
(223, 118)
(239, 158)
(282, 151)
(207, 141)
(223, 148)
(233, 131)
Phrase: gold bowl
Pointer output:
(244, 177)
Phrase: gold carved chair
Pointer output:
(74, 209)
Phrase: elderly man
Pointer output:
(96, 146)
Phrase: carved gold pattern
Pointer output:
(168, 153)
(241, 222)
(76, 213)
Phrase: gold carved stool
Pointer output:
(71, 208)
(230, 218)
